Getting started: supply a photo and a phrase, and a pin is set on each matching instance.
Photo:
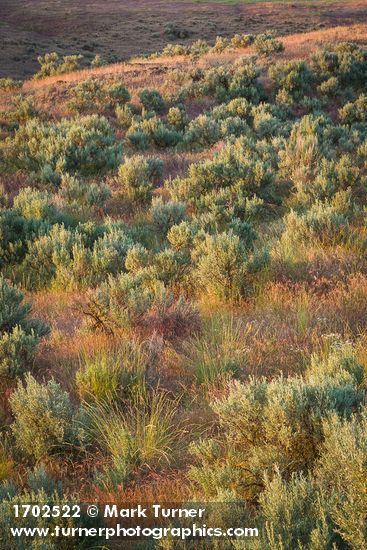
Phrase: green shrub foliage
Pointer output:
(208, 241)
(43, 418)
(244, 169)
(266, 44)
(151, 100)
(137, 176)
(51, 64)
(166, 215)
(67, 258)
(278, 422)
(225, 265)
(40, 490)
(84, 144)
(16, 232)
(19, 335)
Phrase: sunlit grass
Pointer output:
(108, 374)
(144, 435)
(219, 350)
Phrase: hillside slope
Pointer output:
(119, 29)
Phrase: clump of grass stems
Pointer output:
(145, 434)
(219, 350)
(107, 375)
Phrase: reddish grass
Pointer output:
(165, 487)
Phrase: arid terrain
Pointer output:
(120, 29)
(183, 269)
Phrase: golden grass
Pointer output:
(149, 72)
(51, 94)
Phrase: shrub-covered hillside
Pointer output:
(183, 287)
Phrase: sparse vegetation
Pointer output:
(51, 64)
(192, 240)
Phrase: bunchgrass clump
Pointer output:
(143, 436)
(111, 375)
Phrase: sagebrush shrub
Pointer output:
(224, 266)
(180, 236)
(329, 86)
(346, 61)
(36, 205)
(42, 418)
(65, 258)
(226, 84)
(238, 107)
(317, 177)
(210, 82)
(80, 197)
(42, 257)
(124, 115)
(137, 176)
(133, 300)
(84, 144)
(327, 508)
(9, 84)
(51, 64)
(4, 198)
(265, 121)
(354, 111)
(165, 215)
(303, 152)
(245, 167)
(177, 117)
(201, 133)
(294, 77)
(91, 96)
(137, 259)
(295, 514)
(97, 61)
(171, 50)
(89, 266)
(120, 302)
(320, 224)
(199, 48)
(221, 44)
(242, 40)
(24, 110)
(17, 351)
(87, 96)
(16, 234)
(266, 44)
(341, 473)
(19, 335)
(276, 422)
(118, 94)
(152, 132)
(152, 100)
(172, 268)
